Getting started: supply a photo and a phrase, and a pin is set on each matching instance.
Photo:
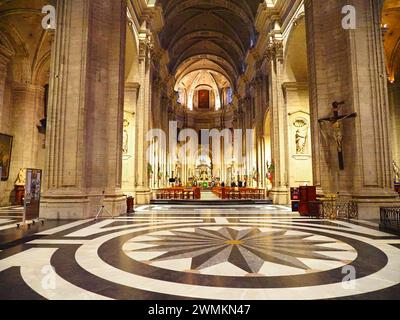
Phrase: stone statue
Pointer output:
(125, 141)
(301, 140)
(301, 136)
(21, 178)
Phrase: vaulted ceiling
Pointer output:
(207, 34)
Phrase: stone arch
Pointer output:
(225, 67)
(212, 83)
(24, 87)
(295, 55)
(41, 61)
(131, 56)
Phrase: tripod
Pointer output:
(103, 209)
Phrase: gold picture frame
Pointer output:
(6, 142)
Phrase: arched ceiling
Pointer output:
(296, 65)
(203, 77)
(22, 35)
(391, 18)
(217, 31)
(206, 63)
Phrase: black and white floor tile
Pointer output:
(184, 252)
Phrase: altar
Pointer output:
(203, 176)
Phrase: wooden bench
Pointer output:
(178, 194)
(239, 193)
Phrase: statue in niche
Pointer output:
(125, 140)
(21, 178)
(301, 136)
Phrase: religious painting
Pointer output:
(5, 155)
(204, 99)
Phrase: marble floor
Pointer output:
(247, 252)
(208, 195)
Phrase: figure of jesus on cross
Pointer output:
(336, 122)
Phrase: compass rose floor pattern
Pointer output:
(185, 252)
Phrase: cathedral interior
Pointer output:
(195, 104)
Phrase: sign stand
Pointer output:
(103, 208)
(33, 184)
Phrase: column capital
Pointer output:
(274, 50)
(146, 46)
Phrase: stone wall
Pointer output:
(394, 102)
(349, 66)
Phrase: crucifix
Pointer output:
(336, 122)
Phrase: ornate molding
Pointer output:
(146, 46)
(274, 50)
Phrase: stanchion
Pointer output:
(103, 208)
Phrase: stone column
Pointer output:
(394, 102)
(349, 65)
(129, 140)
(26, 101)
(143, 118)
(85, 121)
(5, 188)
(23, 108)
(279, 141)
(258, 127)
(3, 77)
(262, 162)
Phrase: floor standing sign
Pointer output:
(32, 194)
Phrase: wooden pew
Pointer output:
(178, 193)
(239, 193)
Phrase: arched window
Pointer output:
(229, 95)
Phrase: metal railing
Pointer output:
(390, 219)
(336, 209)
